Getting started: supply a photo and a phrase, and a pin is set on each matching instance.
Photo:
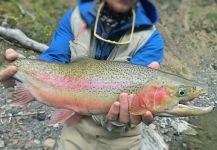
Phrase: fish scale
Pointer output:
(119, 72)
(89, 86)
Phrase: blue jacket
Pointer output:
(146, 15)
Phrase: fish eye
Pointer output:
(181, 92)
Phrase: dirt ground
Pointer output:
(190, 32)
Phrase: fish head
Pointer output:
(184, 94)
(169, 100)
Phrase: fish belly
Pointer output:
(83, 102)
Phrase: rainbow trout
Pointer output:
(89, 87)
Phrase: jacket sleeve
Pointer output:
(151, 51)
(59, 50)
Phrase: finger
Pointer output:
(147, 118)
(134, 119)
(154, 65)
(21, 55)
(114, 112)
(8, 72)
(11, 54)
(124, 116)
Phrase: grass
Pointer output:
(39, 19)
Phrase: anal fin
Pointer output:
(60, 116)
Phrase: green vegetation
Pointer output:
(36, 18)
(203, 3)
(212, 17)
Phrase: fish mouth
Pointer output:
(184, 108)
(184, 102)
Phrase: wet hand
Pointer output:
(119, 111)
(7, 73)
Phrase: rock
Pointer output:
(30, 135)
(152, 140)
(56, 125)
(1, 130)
(183, 127)
(214, 66)
(32, 57)
(36, 141)
(14, 142)
(2, 144)
(47, 130)
(49, 142)
(152, 126)
(41, 116)
(184, 145)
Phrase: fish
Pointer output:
(89, 87)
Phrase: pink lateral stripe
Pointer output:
(58, 100)
(76, 83)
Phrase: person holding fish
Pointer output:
(117, 30)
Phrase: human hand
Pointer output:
(154, 65)
(119, 111)
(7, 73)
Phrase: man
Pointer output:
(120, 30)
